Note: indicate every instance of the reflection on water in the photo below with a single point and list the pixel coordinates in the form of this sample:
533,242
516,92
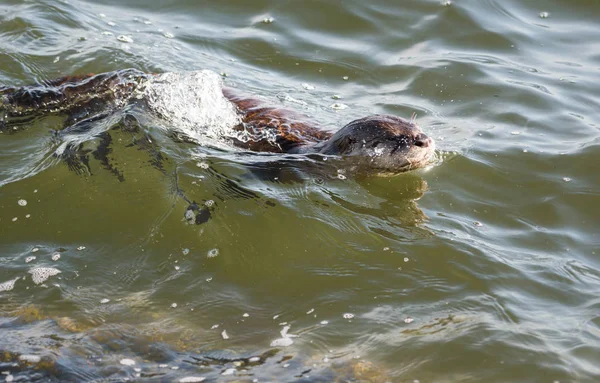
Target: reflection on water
157,259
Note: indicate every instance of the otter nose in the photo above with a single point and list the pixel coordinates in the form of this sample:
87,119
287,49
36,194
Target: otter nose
422,141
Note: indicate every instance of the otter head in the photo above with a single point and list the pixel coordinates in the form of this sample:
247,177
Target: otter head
386,143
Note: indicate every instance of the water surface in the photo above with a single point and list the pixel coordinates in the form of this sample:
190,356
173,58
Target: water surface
483,267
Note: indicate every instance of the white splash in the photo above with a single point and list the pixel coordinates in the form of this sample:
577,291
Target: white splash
193,102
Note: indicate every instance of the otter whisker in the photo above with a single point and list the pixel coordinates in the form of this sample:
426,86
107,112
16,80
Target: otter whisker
413,118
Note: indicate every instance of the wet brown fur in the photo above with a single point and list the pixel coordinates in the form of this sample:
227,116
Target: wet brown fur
290,128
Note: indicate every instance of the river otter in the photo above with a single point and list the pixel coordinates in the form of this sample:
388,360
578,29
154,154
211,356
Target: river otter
383,143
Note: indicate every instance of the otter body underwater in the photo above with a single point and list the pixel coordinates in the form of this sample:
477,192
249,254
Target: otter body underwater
381,143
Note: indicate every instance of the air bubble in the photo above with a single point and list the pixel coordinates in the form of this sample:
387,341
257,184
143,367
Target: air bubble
125,39
22,202
338,106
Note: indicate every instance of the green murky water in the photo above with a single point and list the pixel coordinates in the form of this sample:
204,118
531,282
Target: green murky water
484,267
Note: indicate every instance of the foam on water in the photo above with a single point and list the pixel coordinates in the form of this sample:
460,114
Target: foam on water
224,335
285,340
193,103
30,358
41,274
127,362
8,285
